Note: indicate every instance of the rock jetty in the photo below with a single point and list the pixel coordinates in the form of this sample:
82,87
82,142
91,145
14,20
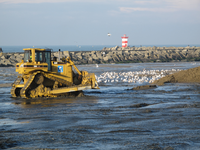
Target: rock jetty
118,55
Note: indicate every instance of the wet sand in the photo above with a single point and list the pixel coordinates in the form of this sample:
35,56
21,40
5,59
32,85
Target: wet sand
5,85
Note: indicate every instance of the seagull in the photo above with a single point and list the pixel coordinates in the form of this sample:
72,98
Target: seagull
109,34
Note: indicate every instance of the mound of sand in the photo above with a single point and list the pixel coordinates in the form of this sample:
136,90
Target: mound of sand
185,76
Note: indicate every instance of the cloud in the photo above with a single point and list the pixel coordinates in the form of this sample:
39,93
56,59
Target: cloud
51,1
146,2
36,1
131,9
184,4
162,6
133,5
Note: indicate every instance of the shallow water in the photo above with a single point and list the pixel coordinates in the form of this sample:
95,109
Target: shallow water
167,117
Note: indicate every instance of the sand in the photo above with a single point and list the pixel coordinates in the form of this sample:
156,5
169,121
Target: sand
185,76
5,85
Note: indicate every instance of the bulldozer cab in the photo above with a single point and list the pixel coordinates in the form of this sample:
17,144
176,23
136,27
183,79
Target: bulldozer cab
38,55
27,56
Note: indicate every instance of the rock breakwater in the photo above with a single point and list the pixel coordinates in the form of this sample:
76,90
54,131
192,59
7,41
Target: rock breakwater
118,55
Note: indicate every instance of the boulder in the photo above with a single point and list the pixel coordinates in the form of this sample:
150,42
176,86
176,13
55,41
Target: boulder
12,57
66,53
105,58
84,61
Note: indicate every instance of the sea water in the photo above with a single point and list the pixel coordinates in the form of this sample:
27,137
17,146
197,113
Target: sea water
8,49
166,117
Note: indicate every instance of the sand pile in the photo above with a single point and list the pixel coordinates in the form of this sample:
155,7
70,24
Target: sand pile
185,76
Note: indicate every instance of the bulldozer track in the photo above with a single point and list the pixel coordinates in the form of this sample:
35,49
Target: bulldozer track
23,91
28,83
16,82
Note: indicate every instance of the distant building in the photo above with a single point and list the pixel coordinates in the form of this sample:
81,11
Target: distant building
124,41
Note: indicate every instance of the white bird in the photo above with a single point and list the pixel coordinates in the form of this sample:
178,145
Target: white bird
143,76
109,34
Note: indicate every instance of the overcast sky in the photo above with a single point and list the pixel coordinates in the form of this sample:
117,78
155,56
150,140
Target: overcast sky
87,22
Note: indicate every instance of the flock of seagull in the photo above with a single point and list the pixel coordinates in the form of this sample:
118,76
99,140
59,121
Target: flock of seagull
145,76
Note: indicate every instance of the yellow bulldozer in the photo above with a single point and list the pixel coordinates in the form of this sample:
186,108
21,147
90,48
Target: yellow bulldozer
40,75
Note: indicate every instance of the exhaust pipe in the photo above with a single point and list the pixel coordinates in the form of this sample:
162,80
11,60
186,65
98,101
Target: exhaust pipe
59,55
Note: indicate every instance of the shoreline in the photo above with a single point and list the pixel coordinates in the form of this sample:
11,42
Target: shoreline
117,55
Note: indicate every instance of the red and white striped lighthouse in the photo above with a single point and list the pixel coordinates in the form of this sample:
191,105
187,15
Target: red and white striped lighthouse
124,41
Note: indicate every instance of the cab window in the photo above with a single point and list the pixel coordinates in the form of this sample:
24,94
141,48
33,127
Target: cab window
27,55
40,56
